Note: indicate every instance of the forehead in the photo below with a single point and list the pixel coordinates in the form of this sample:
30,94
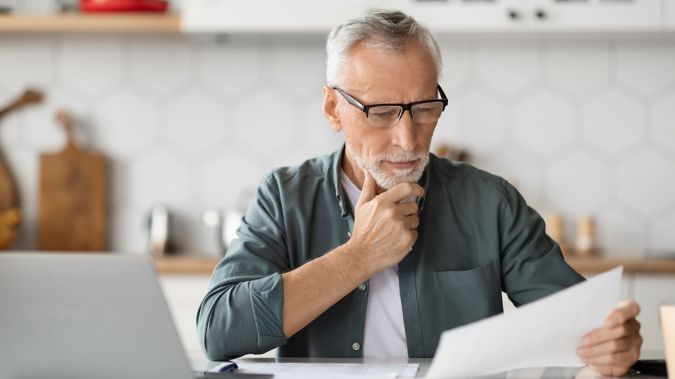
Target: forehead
379,71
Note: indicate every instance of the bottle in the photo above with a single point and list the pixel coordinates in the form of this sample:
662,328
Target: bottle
555,230
585,241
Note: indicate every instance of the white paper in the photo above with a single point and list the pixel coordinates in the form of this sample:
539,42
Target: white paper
330,370
545,333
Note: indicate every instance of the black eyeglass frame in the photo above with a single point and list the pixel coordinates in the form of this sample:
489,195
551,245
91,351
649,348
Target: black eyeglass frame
404,107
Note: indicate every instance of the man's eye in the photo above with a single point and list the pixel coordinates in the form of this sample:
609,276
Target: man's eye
422,108
383,113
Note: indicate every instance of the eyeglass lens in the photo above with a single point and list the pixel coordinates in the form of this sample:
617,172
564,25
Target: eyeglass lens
388,115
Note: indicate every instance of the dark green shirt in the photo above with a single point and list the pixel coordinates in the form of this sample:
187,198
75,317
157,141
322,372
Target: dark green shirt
477,238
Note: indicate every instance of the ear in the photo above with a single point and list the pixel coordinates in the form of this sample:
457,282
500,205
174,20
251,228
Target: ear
330,109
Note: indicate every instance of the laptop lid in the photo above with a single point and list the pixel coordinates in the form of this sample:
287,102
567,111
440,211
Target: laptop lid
85,316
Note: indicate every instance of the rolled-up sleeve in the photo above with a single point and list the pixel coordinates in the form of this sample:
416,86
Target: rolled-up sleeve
241,313
532,263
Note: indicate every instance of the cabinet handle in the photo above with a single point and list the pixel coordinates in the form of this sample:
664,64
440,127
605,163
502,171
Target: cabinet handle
541,14
514,14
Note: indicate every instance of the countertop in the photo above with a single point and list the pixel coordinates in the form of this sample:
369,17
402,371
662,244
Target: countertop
191,265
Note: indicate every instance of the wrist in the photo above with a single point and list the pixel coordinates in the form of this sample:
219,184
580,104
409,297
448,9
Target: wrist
356,259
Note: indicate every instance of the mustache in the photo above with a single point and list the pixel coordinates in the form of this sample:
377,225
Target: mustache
401,156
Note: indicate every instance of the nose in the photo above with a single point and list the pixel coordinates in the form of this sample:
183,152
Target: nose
405,133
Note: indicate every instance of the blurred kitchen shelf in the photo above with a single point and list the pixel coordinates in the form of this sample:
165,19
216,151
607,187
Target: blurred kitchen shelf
185,265
204,266
91,23
630,266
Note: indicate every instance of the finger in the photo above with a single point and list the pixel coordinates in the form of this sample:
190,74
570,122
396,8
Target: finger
407,209
623,312
368,190
605,334
411,222
401,191
609,370
623,359
610,347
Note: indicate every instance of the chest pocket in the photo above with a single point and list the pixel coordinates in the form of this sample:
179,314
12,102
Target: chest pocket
468,296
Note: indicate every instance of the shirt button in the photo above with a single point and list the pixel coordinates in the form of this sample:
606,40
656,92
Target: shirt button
356,346
362,287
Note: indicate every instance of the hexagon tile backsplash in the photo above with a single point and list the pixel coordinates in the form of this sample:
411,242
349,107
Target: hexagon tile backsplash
579,127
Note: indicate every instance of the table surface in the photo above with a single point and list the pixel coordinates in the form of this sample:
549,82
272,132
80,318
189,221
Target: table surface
201,363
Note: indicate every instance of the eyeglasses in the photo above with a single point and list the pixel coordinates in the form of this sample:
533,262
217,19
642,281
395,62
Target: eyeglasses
387,115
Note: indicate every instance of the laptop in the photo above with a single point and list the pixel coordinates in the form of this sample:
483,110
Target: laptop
87,316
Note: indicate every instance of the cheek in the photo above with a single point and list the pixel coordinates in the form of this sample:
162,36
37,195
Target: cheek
425,135
366,140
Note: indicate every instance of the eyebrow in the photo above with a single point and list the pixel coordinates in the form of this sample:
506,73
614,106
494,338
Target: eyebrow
368,102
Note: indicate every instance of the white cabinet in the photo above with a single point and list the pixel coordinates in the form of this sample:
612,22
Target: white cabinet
650,292
310,16
183,294
670,14
596,15
466,15
442,16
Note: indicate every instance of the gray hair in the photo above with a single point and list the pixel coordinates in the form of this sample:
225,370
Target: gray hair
378,29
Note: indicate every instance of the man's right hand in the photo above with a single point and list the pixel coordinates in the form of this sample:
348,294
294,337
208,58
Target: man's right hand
385,229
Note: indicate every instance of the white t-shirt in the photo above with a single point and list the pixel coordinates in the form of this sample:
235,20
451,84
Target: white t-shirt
384,334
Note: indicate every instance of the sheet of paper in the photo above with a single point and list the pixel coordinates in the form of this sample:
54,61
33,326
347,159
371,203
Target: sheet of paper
330,370
543,333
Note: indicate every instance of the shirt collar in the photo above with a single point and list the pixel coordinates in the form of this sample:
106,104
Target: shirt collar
339,191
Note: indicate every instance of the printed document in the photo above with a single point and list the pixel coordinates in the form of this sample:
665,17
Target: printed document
545,333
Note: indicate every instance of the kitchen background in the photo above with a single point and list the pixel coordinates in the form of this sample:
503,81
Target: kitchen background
580,126
582,123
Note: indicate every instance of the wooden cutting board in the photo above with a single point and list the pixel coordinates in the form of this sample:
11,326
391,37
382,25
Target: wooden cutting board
73,197
10,213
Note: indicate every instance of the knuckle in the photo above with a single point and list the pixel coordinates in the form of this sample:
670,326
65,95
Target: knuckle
624,345
615,345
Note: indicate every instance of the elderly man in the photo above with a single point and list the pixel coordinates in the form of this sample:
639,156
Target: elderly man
378,248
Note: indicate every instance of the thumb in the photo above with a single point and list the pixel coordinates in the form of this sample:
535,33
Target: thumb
368,190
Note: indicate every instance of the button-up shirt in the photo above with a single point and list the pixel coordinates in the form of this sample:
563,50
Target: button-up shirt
477,238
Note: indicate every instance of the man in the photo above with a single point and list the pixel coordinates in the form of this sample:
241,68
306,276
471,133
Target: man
377,249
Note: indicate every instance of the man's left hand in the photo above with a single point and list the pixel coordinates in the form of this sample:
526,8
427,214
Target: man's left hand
612,349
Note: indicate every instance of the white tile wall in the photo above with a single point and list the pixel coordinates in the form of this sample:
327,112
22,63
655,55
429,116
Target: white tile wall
580,127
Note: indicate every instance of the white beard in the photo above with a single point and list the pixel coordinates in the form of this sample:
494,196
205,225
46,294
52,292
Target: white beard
384,179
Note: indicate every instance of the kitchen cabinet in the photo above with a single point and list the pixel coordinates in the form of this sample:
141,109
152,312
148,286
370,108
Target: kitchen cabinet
442,16
670,14
307,16
651,291
183,294
467,15
596,15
